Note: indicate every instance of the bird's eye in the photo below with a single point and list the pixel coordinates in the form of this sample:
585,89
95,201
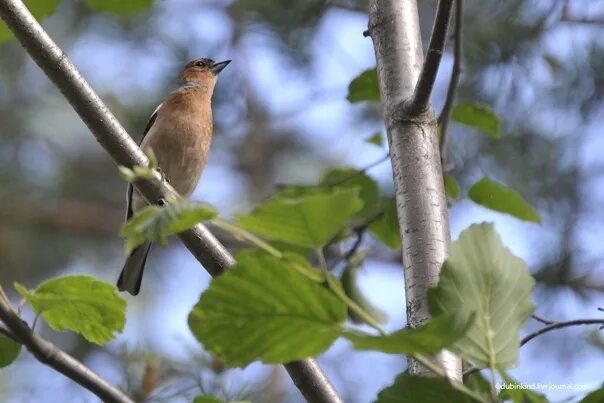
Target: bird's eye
200,63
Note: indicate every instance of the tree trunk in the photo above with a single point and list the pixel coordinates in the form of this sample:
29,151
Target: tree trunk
418,180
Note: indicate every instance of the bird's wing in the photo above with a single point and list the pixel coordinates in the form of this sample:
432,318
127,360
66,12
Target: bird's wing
129,210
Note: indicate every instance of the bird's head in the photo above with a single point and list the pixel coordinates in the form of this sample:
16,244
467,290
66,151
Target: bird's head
202,71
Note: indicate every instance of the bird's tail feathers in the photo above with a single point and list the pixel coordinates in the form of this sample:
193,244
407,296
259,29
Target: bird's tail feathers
132,273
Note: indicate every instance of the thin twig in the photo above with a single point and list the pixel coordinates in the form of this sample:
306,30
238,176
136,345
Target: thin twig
215,258
423,89
559,325
542,320
51,355
445,114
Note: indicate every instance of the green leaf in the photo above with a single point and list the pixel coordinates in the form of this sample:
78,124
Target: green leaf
478,116
38,8
350,284
597,396
495,196
9,351
385,229
419,389
264,309
119,6
519,394
482,277
451,187
376,139
154,223
310,220
206,399
439,333
477,383
364,87
82,304
350,178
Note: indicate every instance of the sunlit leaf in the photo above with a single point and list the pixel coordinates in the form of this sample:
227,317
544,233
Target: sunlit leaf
495,196
38,8
478,116
364,87
482,277
263,309
308,220
82,304
350,178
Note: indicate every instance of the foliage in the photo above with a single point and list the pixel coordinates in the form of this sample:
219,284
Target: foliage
81,304
477,116
495,196
9,351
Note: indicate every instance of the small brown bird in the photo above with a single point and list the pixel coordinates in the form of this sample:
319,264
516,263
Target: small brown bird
179,132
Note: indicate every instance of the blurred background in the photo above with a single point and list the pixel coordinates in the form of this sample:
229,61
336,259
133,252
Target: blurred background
281,116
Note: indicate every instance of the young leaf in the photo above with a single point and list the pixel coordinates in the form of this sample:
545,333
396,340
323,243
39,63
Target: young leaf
264,309
386,229
439,333
119,6
82,304
9,351
376,139
38,8
494,196
482,277
153,223
478,116
419,389
364,87
451,187
310,220
350,178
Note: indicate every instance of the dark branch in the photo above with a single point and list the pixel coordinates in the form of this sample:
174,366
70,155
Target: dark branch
54,357
445,114
560,325
421,95
307,375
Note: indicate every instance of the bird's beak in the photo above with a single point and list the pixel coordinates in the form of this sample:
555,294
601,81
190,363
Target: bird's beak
218,67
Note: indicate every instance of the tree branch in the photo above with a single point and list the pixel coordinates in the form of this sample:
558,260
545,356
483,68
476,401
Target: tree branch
51,355
560,325
307,375
423,89
445,114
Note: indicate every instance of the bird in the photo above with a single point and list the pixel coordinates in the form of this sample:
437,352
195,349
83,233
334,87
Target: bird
179,133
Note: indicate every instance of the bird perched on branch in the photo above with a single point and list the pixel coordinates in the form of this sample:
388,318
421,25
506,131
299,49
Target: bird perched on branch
179,132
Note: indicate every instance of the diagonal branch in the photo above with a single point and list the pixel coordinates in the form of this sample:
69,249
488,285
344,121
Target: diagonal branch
445,114
51,355
307,375
423,89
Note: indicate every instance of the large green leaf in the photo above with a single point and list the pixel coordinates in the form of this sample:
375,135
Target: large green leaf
478,116
38,8
9,351
386,229
263,309
482,277
82,304
368,188
495,196
119,6
515,393
419,389
364,87
310,219
429,339
154,223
